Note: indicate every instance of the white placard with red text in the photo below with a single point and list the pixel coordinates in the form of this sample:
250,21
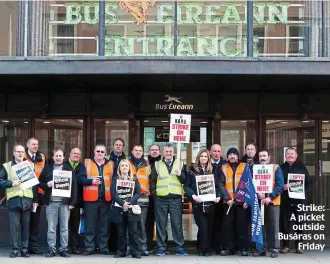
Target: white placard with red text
180,128
263,177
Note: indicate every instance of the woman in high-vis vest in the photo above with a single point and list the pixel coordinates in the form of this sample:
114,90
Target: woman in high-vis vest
203,211
19,204
58,207
122,213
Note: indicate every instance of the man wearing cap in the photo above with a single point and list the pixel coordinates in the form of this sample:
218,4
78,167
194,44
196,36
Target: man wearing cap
236,222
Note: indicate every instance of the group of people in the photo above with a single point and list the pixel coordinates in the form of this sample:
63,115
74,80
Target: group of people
120,222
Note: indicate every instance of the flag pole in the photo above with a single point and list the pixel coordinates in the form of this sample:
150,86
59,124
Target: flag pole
262,213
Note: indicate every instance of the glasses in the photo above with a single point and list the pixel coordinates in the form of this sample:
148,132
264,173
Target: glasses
100,151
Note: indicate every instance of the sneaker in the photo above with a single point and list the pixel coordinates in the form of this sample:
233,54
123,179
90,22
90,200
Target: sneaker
50,254
161,252
13,254
181,252
64,254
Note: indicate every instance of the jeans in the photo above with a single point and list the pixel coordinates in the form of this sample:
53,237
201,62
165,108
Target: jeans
163,207
57,212
19,221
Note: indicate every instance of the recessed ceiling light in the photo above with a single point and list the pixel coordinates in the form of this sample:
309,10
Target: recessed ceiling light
305,121
284,122
107,122
26,122
243,121
125,122
225,121
46,122
325,121
267,122
203,122
164,121
80,121
5,121
146,121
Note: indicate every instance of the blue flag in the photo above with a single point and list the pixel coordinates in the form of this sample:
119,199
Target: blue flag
246,192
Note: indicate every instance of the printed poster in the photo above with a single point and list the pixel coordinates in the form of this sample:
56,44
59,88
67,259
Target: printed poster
263,177
206,187
62,181
297,186
125,190
25,174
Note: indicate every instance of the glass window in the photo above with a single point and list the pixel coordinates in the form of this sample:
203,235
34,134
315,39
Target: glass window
64,28
325,166
8,26
288,28
212,28
59,133
12,131
236,134
106,131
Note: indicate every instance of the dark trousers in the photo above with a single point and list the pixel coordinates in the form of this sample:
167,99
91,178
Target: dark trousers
286,212
217,238
96,218
74,237
173,207
34,227
113,239
133,236
235,224
19,222
150,223
272,225
204,222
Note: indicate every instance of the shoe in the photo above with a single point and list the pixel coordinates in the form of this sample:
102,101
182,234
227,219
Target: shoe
34,251
13,254
145,253
119,255
64,254
285,250
244,253
107,252
207,254
273,254
161,252
200,254
259,253
226,252
76,252
50,254
25,254
181,252
138,256
299,251
87,253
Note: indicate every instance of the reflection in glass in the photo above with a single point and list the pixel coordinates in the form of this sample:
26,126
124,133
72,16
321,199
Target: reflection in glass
8,26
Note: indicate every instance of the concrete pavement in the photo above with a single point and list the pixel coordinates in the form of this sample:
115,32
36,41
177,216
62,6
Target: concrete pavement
290,258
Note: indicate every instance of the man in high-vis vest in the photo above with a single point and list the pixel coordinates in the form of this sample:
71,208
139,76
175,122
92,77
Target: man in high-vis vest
97,198
272,203
19,204
236,222
167,189
38,163
141,169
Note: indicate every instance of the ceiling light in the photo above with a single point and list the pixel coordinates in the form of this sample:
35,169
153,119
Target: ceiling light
305,121
80,121
26,122
325,121
224,121
146,121
284,122
107,122
5,121
267,122
46,122
164,121
203,122
125,122
243,121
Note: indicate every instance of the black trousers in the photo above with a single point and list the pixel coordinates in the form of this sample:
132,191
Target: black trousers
74,238
286,212
113,239
204,222
133,236
96,219
236,224
19,221
150,224
34,227
217,238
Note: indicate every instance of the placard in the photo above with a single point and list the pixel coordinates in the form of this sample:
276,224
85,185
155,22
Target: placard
62,183
180,128
206,187
125,190
263,177
297,186
25,174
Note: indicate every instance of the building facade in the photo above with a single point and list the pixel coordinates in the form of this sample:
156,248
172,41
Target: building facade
74,74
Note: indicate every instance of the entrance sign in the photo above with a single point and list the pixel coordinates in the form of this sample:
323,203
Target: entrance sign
297,186
62,183
206,187
25,174
263,177
180,128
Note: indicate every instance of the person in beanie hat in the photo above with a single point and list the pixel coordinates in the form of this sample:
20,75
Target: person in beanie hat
236,222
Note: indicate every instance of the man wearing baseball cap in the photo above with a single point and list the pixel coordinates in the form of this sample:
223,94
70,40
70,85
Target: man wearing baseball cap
236,218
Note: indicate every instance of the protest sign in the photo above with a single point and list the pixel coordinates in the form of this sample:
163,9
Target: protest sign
25,174
62,182
180,128
263,177
206,187
125,190
297,186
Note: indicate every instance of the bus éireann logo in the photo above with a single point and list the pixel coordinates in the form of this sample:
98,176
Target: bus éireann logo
172,99
138,9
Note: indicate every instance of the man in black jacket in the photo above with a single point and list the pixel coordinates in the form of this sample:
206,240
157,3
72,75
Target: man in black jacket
78,169
289,206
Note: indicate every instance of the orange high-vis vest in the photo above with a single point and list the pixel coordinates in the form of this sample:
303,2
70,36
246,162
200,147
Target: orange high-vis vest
37,167
276,200
91,192
228,172
143,176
